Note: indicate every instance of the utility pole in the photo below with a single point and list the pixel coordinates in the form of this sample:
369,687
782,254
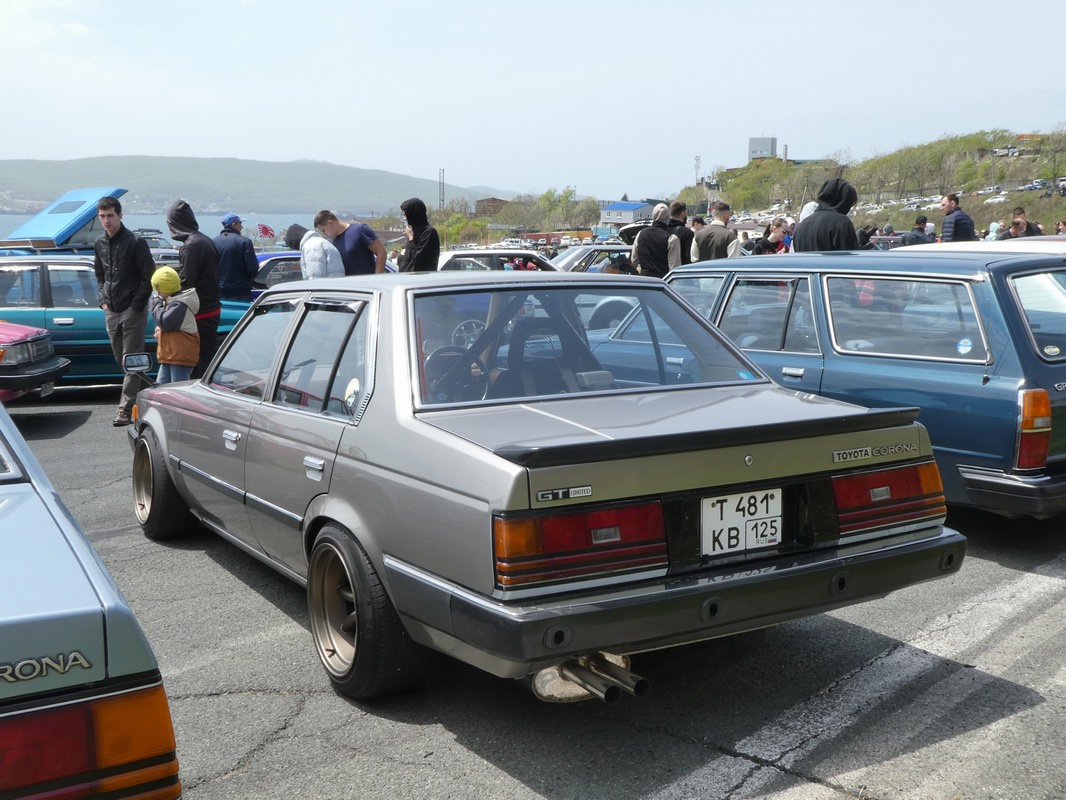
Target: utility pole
697,170
440,191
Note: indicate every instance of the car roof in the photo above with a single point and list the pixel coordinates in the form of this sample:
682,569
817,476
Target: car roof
1027,244
489,279
59,223
909,259
38,258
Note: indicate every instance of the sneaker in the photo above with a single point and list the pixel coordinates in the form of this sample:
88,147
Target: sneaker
121,418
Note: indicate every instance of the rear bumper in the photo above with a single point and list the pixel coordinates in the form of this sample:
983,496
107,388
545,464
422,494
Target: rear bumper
1039,496
513,640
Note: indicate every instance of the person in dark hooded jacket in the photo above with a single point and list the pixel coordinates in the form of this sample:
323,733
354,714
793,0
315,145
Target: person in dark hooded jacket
198,269
423,244
829,228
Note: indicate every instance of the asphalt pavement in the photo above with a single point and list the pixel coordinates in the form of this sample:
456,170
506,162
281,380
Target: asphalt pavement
954,689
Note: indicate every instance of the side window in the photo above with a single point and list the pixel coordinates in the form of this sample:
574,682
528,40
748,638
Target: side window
245,368
20,286
893,316
312,358
72,287
700,292
350,384
800,334
756,312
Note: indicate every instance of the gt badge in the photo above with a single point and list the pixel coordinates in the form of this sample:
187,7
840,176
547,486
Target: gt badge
547,495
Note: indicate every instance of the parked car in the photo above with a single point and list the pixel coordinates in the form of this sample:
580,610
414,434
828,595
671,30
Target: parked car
996,198
493,259
593,258
282,266
976,339
445,464
83,712
276,266
28,362
58,293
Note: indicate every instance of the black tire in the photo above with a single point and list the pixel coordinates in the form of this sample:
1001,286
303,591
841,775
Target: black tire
159,508
359,637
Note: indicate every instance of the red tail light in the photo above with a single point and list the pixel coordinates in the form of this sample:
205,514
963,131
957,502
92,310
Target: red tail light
1034,428
541,550
889,497
117,746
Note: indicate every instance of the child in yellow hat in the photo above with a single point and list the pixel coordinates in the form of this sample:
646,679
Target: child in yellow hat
174,311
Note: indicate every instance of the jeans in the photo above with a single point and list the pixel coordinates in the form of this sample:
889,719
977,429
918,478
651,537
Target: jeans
126,331
169,373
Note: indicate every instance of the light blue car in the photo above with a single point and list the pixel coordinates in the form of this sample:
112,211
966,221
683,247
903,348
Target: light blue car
82,705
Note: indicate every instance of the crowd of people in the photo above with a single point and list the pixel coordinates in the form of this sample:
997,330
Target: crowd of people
824,224
186,302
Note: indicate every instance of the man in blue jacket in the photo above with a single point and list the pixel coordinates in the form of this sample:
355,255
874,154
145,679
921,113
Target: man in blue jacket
237,264
957,225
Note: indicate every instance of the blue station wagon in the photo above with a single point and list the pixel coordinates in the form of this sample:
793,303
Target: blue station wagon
975,340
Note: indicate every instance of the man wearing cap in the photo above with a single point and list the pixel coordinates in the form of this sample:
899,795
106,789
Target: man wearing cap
237,264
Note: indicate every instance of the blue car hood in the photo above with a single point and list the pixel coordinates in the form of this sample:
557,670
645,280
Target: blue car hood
68,221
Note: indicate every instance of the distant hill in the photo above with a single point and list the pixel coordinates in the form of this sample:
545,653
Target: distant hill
222,184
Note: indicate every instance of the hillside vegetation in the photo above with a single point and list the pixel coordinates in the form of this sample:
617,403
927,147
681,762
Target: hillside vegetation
219,184
963,164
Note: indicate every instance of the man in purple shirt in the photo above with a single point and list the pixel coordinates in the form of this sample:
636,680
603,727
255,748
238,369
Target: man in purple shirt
361,250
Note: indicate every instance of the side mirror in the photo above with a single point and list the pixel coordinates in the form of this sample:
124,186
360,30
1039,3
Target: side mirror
136,362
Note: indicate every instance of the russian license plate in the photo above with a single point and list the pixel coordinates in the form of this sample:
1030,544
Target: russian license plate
47,388
738,522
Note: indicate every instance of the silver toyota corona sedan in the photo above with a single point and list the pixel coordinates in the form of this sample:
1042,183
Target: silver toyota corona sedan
463,463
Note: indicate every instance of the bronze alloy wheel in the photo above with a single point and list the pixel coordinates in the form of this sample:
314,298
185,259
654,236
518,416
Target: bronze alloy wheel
358,635
142,481
160,510
331,601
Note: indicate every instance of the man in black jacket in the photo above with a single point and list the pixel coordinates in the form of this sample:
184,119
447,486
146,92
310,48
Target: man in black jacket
678,227
237,264
423,244
828,227
917,234
198,268
123,265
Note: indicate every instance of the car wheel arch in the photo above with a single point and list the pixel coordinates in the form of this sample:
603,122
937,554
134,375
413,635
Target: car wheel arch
325,510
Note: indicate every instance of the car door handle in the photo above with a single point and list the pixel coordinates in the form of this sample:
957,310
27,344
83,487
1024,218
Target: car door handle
314,463
231,438
793,372
63,320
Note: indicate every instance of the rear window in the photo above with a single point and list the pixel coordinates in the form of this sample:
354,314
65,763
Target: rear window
510,344
921,319
1042,296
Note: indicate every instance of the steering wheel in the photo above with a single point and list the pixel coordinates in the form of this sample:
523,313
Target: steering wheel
453,373
466,332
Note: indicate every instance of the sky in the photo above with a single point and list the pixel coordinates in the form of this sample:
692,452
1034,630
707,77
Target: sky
607,98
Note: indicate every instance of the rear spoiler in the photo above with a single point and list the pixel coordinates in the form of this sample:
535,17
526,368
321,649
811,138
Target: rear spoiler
536,455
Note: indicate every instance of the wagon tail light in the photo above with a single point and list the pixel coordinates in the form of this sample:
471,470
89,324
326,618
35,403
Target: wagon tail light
883,498
1034,428
538,550
116,746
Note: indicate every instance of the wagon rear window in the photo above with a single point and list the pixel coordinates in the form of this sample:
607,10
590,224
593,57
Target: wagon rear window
1042,296
933,319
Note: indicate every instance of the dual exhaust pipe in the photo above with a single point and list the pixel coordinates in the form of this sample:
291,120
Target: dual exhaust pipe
597,675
